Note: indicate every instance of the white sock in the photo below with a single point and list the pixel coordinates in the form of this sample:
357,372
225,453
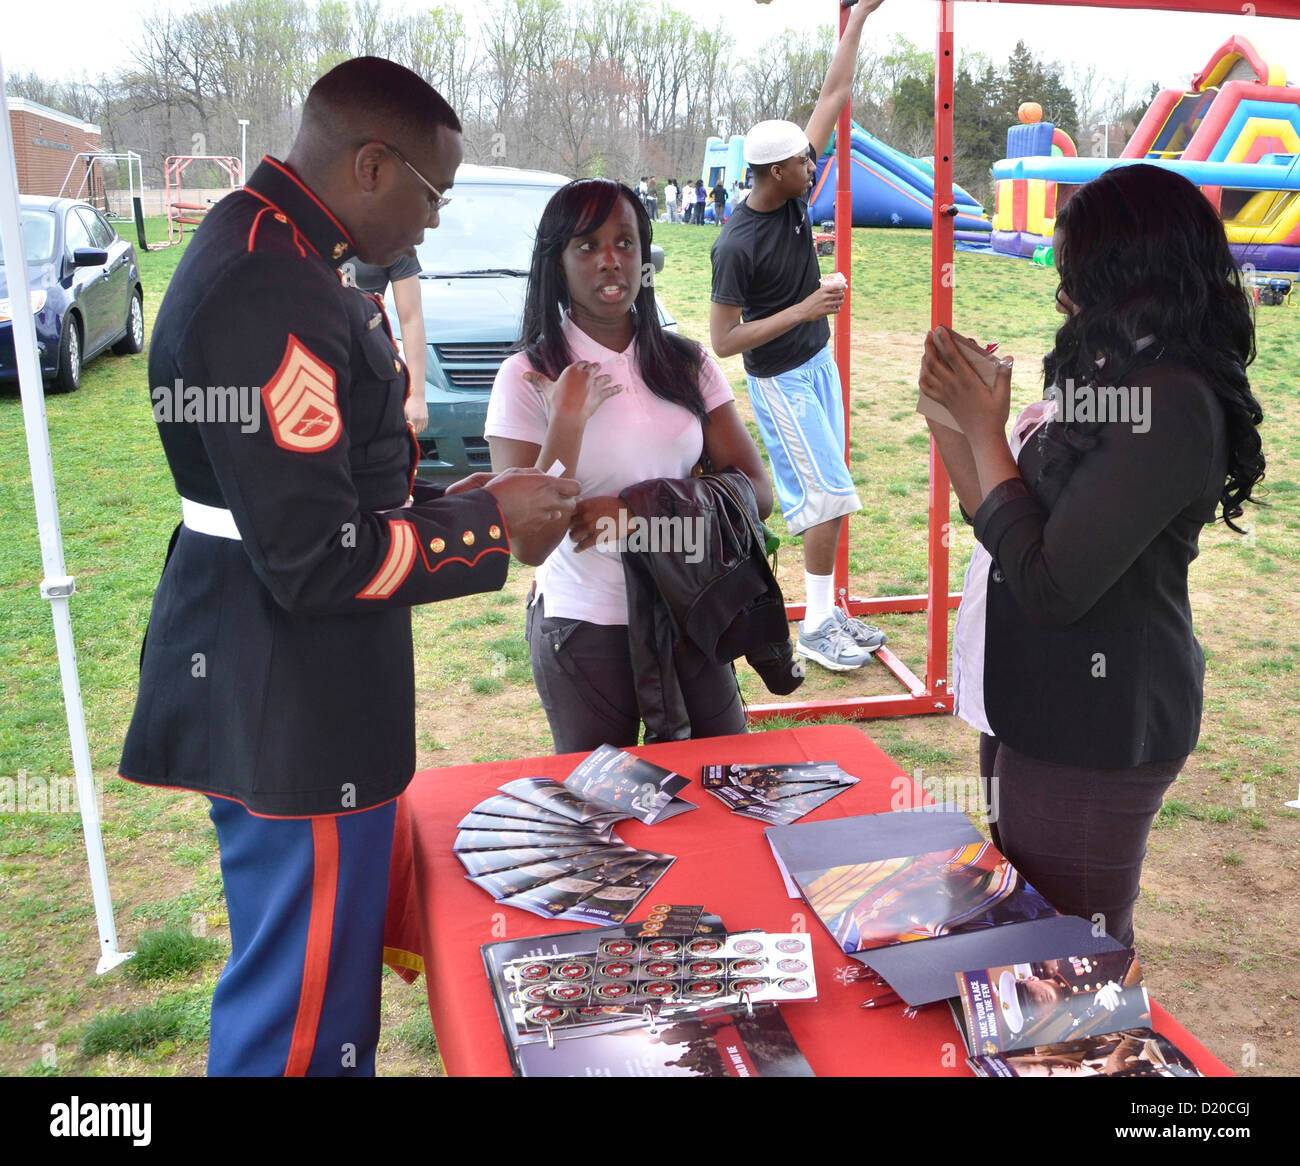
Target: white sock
820,601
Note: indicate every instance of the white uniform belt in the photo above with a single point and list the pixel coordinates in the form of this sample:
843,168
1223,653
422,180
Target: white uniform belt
209,519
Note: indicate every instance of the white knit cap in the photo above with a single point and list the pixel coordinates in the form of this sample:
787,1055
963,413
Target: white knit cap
774,141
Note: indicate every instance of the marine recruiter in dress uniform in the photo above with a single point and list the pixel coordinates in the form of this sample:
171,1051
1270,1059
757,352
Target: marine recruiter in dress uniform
277,672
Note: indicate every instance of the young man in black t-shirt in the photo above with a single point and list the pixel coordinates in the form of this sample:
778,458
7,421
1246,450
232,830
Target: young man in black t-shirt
770,303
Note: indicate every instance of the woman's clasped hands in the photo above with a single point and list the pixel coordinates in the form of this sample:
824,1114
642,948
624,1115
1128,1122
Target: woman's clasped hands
948,379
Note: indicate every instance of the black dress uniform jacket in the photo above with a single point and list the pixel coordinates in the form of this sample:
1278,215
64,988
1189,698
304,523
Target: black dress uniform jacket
277,667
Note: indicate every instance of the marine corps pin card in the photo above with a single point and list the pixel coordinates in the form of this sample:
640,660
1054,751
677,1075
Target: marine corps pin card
616,975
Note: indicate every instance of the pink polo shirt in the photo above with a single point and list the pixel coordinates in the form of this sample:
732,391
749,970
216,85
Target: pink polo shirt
632,437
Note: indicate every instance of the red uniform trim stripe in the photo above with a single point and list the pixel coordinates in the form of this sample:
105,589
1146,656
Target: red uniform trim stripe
289,174
320,934
474,562
252,231
396,565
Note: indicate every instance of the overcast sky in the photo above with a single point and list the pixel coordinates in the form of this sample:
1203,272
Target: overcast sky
92,36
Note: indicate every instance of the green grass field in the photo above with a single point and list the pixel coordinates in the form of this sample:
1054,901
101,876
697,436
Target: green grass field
1216,925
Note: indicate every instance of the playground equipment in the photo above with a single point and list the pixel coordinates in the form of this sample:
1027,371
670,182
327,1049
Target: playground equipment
96,192
181,214
1235,133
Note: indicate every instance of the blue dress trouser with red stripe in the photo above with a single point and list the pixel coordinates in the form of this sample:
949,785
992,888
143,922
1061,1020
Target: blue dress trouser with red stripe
299,995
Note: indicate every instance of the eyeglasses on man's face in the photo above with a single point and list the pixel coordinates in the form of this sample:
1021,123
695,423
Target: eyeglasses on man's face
440,200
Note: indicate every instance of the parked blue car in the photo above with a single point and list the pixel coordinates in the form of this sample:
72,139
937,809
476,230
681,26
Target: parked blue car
85,286
475,273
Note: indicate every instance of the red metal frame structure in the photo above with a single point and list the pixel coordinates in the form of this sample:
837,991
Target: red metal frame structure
180,213
932,694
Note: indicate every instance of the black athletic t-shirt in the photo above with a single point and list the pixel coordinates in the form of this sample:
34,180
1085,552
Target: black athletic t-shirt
763,263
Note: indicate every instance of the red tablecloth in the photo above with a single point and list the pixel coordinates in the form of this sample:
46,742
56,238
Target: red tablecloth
437,919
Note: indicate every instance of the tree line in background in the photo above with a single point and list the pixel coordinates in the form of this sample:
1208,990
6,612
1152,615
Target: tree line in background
611,88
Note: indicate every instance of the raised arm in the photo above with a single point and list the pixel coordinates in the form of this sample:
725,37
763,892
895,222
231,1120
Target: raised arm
838,85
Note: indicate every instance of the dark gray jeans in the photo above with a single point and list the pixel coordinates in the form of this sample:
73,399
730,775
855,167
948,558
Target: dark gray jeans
1078,835
583,673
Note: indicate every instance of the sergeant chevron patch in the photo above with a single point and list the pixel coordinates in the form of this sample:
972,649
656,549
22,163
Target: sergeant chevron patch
301,402
397,563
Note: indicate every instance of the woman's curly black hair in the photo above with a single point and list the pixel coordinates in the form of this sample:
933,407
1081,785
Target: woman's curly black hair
1140,252
669,364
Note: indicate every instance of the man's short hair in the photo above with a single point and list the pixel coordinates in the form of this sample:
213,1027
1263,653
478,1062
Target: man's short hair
374,99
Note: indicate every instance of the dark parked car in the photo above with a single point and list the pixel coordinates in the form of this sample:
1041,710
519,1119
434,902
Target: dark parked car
85,290
475,271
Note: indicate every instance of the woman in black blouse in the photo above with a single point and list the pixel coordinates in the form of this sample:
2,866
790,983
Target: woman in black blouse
1089,690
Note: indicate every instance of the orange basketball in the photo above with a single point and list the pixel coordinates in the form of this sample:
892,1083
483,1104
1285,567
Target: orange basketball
1030,112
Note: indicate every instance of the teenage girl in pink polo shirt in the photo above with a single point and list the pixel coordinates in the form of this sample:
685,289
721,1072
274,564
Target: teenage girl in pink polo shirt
603,389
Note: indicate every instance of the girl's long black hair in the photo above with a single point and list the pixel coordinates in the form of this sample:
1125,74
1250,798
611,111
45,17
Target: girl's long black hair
1140,252
669,364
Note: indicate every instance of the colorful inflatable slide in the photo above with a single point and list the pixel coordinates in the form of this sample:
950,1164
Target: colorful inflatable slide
890,189
1235,133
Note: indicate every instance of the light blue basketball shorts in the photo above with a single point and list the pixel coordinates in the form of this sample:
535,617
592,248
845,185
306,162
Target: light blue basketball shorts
800,415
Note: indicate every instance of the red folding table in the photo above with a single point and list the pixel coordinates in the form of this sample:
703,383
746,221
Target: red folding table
437,919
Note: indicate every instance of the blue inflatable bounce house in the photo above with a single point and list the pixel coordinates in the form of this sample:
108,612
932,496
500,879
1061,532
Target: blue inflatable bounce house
890,189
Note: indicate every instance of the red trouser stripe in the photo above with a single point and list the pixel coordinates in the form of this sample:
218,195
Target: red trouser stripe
320,932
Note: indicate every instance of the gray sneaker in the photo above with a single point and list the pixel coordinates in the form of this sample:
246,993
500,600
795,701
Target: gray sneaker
832,647
865,635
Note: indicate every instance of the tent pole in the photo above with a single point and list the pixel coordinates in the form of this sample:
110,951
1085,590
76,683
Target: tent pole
56,586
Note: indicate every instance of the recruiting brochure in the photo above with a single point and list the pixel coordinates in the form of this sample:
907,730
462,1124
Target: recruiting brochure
1134,1052
776,794
616,780
549,847
715,1042
1014,1006
918,896
901,900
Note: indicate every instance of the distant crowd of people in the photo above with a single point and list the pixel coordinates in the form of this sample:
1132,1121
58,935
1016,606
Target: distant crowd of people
687,202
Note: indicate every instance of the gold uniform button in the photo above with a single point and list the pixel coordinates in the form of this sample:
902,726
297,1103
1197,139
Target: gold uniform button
339,248
437,546
397,366
468,538
494,531
281,219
